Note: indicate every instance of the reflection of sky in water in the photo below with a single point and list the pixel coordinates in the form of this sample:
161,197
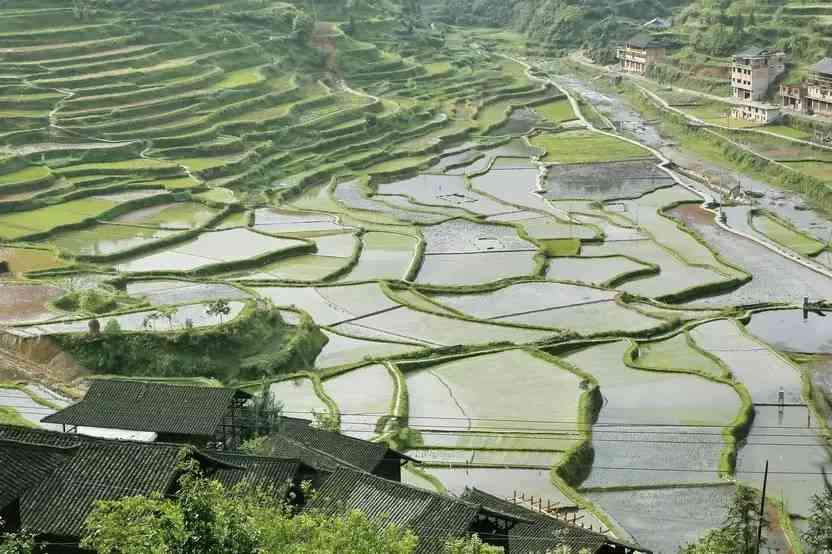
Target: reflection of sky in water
794,451
787,330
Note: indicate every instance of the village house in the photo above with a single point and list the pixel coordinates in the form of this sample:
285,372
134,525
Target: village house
435,518
152,411
344,451
819,88
757,112
640,52
754,70
217,418
536,532
794,97
49,481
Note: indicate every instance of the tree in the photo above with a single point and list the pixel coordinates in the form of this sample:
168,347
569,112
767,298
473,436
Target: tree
136,525
167,312
326,421
302,28
819,534
738,534
112,327
16,543
470,545
206,518
219,309
149,321
267,412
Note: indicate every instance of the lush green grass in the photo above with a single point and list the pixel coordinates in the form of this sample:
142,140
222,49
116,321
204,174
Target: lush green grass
555,248
586,147
787,131
241,78
788,236
26,175
557,111
137,164
17,224
821,170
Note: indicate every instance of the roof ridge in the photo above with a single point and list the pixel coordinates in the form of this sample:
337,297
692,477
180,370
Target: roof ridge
432,494
256,456
342,464
27,444
158,384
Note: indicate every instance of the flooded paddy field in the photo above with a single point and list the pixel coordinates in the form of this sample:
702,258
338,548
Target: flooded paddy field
438,252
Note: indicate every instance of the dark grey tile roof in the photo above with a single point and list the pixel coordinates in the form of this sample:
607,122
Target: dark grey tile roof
434,518
824,66
154,407
24,465
274,473
59,476
101,470
283,447
644,40
41,436
359,453
537,533
753,52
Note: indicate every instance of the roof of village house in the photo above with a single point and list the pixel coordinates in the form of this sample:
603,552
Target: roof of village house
61,475
359,453
755,52
284,447
434,518
25,465
154,407
644,40
100,470
41,436
540,533
823,66
259,471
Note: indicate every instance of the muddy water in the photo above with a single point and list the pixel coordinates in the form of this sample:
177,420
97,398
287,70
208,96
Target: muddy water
787,204
21,303
776,279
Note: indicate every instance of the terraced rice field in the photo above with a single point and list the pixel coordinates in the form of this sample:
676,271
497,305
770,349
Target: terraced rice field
443,239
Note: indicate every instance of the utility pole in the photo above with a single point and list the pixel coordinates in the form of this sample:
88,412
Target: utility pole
762,510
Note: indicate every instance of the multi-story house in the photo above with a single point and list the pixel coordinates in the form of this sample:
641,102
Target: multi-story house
819,88
754,70
640,52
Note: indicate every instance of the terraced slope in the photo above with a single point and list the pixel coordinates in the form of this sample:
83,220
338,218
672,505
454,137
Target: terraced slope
405,231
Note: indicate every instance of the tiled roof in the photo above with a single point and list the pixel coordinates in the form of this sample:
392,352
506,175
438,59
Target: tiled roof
356,452
283,447
537,533
41,436
102,470
644,40
24,465
824,66
159,408
434,518
256,470
59,476
754,52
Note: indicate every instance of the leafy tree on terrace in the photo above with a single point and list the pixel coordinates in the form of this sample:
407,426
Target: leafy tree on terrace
819,534
206,518
303,26
738,534
219,308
